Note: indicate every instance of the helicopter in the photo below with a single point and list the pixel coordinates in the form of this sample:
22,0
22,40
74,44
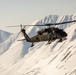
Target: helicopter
49,34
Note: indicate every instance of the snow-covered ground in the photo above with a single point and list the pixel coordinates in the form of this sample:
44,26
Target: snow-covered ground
4,36
18,58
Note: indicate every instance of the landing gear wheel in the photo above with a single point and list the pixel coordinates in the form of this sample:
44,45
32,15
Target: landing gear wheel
32,45
60,40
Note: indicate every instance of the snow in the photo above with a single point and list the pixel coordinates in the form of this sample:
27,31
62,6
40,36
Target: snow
4,36
18,58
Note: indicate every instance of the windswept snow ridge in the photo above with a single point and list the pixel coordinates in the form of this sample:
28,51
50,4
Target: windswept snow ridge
18,58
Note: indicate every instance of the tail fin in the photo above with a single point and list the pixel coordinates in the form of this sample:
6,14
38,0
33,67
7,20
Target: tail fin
25,35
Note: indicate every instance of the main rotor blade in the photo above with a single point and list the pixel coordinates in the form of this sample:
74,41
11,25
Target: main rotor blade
60,23
25,25
15,26
48,24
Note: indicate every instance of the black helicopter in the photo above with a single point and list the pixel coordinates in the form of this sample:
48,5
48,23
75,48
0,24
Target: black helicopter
49,34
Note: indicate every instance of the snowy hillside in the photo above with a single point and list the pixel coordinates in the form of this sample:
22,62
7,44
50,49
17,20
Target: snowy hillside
4,36
6,44
18,58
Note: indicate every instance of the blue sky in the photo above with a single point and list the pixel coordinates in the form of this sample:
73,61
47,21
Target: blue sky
14,12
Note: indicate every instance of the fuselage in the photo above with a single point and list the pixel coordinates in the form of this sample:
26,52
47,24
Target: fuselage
44,35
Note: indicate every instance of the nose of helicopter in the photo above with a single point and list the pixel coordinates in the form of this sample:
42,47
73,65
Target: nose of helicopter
64,34
61,34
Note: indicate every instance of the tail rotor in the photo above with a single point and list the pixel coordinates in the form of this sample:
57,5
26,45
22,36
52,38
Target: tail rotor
23,29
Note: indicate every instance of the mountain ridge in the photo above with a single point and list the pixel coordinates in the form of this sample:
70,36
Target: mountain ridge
4,35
